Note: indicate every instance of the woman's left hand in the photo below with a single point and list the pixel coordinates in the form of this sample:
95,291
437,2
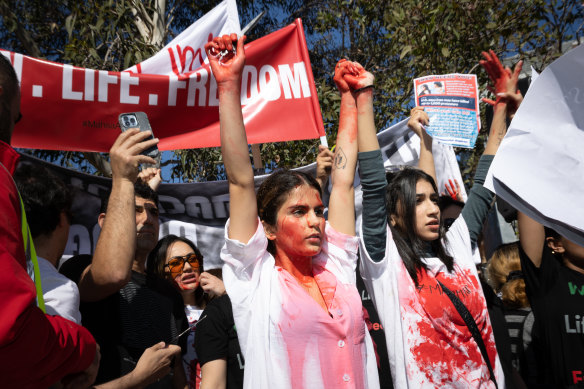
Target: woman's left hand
211,284
357,77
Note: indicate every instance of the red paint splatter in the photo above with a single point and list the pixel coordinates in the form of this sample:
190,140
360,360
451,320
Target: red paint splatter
440,342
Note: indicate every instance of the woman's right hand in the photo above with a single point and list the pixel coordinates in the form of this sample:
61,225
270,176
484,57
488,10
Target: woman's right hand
418,119
226,69
343,67
212,285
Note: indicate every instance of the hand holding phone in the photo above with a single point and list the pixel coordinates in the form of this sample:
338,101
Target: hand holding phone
128,153
140,121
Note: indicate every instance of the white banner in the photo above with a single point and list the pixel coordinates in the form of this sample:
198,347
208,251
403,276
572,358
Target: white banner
539,168
401,147
186,52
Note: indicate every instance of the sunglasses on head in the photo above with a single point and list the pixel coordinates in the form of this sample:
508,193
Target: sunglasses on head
176,264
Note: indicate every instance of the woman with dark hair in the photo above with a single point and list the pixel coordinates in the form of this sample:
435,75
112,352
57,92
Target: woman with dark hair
553,269
290,274
417,274
179,262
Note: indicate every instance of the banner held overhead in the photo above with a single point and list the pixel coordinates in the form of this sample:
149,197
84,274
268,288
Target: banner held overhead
76,109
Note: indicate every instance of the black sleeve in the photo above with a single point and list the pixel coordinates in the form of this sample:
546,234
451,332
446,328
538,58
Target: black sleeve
374,218
211,336
74,267
539,280
479,200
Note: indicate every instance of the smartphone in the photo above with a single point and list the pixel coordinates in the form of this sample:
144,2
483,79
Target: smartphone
139,120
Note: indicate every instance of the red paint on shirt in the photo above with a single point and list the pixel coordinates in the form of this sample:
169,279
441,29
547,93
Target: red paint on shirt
308,331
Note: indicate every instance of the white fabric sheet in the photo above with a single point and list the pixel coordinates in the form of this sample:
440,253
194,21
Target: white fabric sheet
539,168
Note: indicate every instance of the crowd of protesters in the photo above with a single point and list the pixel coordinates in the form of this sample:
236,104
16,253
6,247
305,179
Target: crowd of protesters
285,311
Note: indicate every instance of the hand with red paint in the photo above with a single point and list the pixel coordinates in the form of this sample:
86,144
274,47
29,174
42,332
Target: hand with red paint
504,82
418,119
453,189
513,101
358,78
343,67
226,68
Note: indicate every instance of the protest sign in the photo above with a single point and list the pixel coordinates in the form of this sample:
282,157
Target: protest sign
186,52
69,108
539,166
452,102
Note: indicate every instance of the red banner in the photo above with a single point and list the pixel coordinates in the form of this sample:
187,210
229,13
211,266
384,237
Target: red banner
69,108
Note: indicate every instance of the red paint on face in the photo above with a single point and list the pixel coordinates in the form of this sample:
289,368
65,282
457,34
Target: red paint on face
300,223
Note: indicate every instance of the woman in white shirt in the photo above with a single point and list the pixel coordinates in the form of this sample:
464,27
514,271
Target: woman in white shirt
408,260
289,273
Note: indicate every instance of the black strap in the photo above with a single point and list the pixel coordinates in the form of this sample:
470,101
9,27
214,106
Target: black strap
472,326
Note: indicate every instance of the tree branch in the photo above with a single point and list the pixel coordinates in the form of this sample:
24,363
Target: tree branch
22,34
99,162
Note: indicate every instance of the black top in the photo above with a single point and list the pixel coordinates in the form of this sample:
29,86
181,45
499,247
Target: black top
144,312
217,339
556,294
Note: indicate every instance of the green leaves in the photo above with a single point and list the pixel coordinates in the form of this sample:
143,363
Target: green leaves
405,51
397,41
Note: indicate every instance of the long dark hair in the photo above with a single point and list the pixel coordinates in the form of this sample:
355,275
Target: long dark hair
157,259
400,201
273,191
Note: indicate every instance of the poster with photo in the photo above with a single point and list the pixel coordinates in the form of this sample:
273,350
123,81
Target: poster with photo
452,102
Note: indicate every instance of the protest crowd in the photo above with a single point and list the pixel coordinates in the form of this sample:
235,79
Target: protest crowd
284,310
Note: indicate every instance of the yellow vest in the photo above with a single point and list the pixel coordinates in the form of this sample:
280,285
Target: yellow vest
32,264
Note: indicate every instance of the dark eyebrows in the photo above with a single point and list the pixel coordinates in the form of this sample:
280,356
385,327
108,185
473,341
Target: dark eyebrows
433,196
298,206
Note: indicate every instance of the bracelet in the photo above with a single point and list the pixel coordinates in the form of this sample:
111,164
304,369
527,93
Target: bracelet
362,89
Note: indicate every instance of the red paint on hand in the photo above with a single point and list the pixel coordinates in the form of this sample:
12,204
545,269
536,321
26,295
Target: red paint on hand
503,79
226,68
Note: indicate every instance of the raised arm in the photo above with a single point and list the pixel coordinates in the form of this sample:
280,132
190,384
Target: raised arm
419,119
111,266
370,166
479,200
234,147
342,200
531,237
505,84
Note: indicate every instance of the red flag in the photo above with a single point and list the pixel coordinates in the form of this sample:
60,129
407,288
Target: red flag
69,108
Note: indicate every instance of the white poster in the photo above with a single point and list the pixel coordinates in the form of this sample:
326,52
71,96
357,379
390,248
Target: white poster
539,168
186,52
